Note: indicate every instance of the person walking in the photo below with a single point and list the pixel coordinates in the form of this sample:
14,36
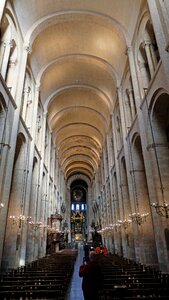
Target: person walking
92,277
86,252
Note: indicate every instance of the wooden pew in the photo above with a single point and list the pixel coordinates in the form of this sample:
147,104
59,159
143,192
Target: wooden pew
46,278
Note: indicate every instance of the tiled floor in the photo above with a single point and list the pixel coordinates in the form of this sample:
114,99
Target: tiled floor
75,289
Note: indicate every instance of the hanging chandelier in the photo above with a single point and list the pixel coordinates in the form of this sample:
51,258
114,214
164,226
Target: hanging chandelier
36,225
161,209
138,218
125,223
18,220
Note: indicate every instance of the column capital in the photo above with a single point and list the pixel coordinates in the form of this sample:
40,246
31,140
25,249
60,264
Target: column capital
129,49
147,43
112,115
129,91
27,47
127,102
37,88
119,89
12,62
141,65
27,90
8,43
45,113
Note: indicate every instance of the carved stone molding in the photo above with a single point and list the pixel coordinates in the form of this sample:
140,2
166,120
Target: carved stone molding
78,176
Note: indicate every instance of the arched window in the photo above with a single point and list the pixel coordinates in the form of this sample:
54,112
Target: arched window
148,54
9,52
151,39
6,44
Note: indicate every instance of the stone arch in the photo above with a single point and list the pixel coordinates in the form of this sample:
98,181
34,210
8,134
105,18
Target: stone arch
78,176
150,36
16,207
140,182
158,139
89,196
146,51
9,51
145,230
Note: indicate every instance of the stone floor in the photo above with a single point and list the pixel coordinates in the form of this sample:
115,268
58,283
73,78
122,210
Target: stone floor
75,289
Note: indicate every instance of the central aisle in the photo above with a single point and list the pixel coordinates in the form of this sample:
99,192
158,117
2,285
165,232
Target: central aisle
75,289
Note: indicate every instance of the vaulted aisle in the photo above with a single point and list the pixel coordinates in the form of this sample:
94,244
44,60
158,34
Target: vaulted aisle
84,129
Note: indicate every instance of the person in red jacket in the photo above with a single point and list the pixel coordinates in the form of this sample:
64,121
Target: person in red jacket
97,250
105,251
92,278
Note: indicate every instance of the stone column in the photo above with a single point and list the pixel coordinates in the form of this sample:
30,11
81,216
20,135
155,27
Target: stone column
40,203
132,105
105,177
162,36
68,212
127,112
125,144
13,137
2,6
163,10
147,45
116,198
26,93
7,48
147,169
144,78
110,178
153,56
14,226
27,242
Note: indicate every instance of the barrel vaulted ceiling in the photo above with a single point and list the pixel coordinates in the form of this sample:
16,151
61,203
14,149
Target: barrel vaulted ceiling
78,58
